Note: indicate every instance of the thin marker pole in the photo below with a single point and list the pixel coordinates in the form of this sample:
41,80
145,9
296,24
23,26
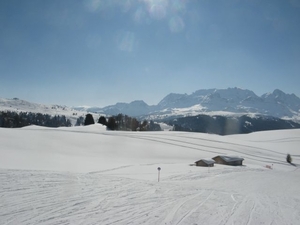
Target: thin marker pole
158,173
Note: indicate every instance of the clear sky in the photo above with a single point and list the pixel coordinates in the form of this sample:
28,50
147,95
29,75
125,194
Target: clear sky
100,52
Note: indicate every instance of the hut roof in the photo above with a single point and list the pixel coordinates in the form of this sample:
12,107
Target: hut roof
207,161
230,158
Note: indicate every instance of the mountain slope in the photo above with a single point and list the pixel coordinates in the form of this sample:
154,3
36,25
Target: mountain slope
214,102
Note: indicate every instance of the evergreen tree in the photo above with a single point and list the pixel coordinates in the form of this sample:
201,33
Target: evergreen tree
144,125
102,120
134,124
111,124
89,119
79,121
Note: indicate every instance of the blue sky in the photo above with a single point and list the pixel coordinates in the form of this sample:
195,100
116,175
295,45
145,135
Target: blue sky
100,52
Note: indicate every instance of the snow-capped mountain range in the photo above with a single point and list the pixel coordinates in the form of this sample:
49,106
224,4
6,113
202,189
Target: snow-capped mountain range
231,101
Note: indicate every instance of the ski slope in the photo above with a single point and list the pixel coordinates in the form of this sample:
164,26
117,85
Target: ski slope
88,175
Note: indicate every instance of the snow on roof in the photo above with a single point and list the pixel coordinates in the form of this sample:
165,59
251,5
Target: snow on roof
207,161
230,158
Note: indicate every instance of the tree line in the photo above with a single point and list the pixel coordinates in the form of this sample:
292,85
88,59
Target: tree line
11,119
124,123
223,125
21,119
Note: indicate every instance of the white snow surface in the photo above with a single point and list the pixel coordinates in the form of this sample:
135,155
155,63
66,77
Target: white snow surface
88,175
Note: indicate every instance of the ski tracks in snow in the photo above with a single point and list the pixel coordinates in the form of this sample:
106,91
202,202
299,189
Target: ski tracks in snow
194,209
46,198
179,205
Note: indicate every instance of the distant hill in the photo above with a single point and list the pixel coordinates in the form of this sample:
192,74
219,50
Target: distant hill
231,101
19,105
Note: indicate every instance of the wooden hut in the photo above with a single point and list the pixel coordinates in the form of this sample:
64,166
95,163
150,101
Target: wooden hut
229,160
205,162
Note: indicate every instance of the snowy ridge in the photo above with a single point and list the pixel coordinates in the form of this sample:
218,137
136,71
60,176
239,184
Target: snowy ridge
231,101
18,105
88,175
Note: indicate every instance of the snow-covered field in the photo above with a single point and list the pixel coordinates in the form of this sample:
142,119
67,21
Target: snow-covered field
87,175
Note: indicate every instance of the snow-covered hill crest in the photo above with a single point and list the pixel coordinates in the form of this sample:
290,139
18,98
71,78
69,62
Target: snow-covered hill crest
18,105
